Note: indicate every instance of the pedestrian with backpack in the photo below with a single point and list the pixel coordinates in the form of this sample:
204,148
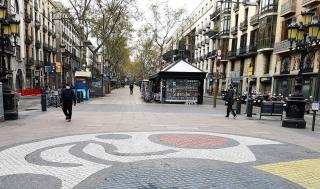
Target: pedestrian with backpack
68,99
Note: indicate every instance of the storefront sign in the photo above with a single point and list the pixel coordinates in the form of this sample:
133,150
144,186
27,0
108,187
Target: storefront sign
265,79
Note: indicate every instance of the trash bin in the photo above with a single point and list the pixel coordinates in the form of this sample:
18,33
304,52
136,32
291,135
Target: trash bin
238,109
249,107
44,101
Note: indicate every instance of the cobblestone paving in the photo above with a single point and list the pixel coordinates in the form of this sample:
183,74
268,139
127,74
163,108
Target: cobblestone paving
155,160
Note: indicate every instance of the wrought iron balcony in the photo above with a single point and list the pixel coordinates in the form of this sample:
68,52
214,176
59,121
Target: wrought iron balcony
244,25
49,32
266,44
288,8
209,33
215,14
236,7
207,41
252,48
307,3
45,28
282,46
30,62
254,20
38,44
234,30
226,10
28,18
37,24
270,8
28,40
242,50
232,53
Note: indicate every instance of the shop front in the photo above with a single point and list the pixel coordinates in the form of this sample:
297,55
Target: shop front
179,82
265,85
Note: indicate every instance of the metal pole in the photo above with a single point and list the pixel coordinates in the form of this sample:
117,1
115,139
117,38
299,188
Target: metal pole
316,96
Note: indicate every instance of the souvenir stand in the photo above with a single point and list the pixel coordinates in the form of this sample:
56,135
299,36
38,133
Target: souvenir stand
180,82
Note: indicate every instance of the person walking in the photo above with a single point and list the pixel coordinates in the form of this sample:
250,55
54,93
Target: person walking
230,102
68,98
131,88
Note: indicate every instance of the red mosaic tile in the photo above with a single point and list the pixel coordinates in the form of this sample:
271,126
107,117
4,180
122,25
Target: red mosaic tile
193,141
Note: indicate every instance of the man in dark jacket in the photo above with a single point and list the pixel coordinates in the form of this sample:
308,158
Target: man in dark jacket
68,97
230,102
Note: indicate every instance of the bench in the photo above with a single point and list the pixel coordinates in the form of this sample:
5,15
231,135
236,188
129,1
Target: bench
271,109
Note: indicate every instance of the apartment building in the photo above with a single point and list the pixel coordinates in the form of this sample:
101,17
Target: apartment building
287,63
71,60
253,31
191,42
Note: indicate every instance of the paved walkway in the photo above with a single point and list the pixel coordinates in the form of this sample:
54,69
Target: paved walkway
121,142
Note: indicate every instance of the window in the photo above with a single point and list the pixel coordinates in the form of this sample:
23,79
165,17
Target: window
232,66
284,29
241,67
268,6
234,44
243,41
253,37
267,64
237,20
226,23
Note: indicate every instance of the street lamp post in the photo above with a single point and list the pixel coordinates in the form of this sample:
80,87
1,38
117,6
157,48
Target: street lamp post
306,37
9,27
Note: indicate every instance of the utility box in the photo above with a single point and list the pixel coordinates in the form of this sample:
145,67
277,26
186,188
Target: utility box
1,104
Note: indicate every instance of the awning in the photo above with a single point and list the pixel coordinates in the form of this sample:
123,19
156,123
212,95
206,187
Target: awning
82,74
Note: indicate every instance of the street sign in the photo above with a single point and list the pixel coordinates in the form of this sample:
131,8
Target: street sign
315,106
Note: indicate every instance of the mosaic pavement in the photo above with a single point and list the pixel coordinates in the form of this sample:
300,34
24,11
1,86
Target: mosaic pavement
153,160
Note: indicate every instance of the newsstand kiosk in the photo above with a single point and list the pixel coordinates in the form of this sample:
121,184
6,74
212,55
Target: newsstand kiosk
83,80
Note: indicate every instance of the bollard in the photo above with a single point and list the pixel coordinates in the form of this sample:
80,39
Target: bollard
44,102
249,107
238,109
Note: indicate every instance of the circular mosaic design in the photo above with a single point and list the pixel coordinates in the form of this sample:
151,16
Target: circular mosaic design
151,160
193,141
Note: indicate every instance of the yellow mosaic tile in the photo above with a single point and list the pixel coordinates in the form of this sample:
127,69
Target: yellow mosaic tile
303,172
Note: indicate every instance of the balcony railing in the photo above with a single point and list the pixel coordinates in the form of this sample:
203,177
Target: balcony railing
236,7
242,50
209,33
266,44
215,14
310,2
234,30
45,28
288,8
37,24
282,46
28,18
232,53
28,39
244,25
225,32
271,8
252,48
35,5
49,32
38,44
207,41
30,61
254,20
226,10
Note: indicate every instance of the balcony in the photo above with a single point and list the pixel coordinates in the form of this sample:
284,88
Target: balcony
209,33
242,50
234,30
35,5
307,3
252,48
54,50
203,43
45,28
38,44
30,62
232,54
273,8
236,7
266,44
45,46
207,41
215,14
28,18
225,33
212,54
226,10
28,40
54,35
282,46
254,20
208,25
37,24
288,8
49,32
244,25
